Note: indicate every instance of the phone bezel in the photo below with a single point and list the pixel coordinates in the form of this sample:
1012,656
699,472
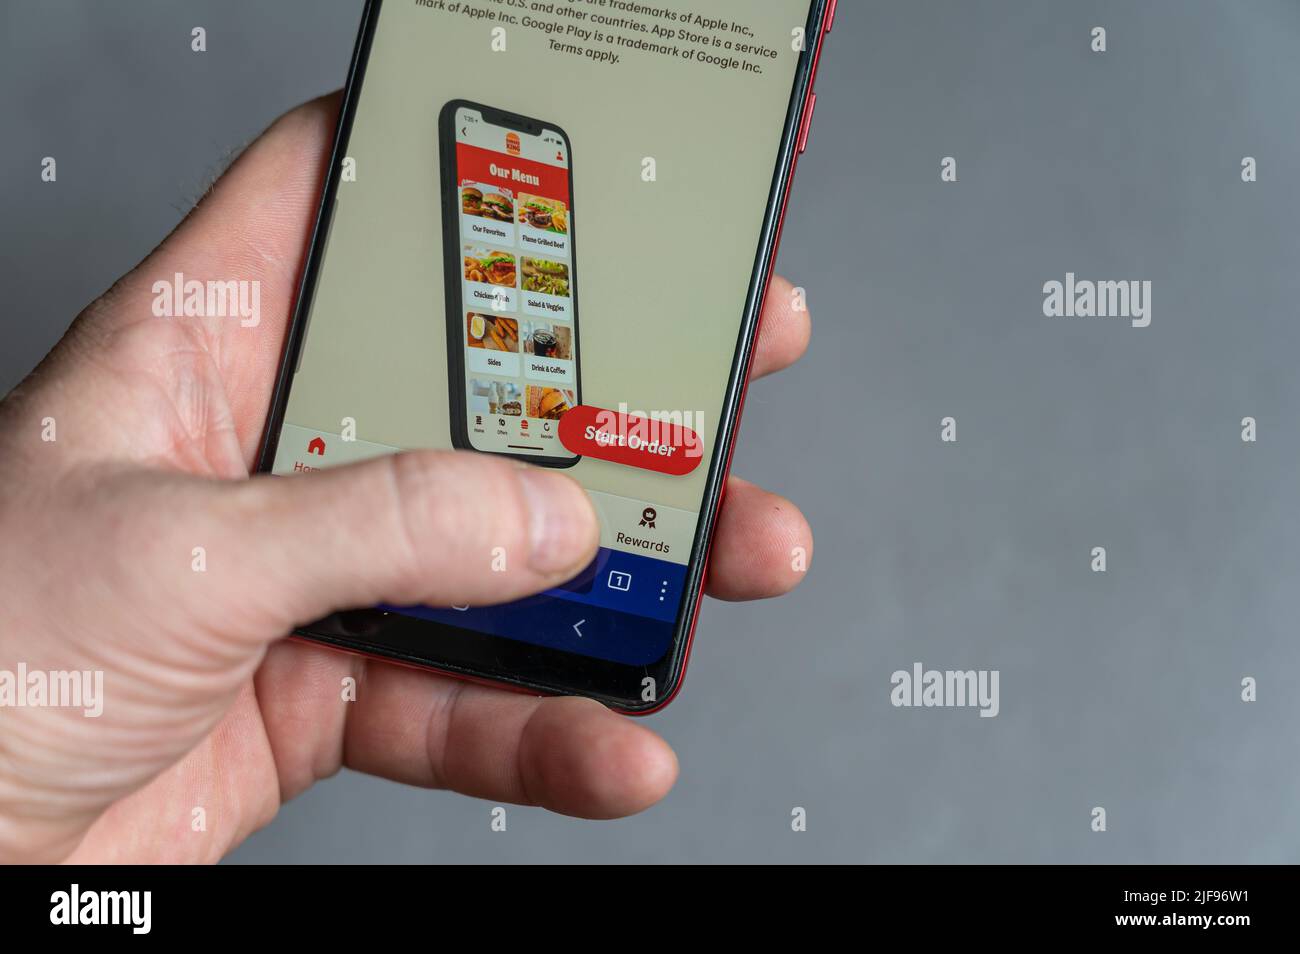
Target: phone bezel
453,242
496,659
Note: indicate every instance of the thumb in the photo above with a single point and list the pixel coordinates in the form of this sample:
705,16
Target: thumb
177,576
440,528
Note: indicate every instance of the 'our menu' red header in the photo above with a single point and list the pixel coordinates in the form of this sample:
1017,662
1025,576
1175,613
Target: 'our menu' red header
512,172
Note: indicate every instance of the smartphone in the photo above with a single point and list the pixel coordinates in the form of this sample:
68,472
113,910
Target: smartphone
511,282
438,306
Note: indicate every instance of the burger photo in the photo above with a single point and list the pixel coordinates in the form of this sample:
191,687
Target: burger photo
497,206
546,215
471,201
548,404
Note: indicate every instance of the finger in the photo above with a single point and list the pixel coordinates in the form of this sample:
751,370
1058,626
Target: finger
784,329
229,566
762,546
438,528
568,755
571,756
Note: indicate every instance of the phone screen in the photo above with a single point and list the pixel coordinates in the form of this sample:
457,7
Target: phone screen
495,166
513,302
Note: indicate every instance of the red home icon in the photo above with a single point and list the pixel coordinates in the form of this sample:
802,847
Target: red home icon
316,446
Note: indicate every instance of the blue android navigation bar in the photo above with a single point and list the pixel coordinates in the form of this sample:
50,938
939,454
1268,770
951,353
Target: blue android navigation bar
621,608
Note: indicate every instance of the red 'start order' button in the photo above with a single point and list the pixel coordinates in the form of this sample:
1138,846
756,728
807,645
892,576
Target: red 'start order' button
649,443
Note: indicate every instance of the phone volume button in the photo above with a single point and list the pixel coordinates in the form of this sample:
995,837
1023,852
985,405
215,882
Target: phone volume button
807,122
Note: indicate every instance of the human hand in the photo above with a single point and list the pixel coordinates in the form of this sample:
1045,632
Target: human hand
157,424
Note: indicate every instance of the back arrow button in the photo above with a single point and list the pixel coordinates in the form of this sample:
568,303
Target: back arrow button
577,629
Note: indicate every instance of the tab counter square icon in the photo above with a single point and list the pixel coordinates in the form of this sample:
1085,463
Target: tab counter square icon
620,581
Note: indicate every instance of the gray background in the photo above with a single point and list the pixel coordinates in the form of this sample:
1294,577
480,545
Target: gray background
1119,689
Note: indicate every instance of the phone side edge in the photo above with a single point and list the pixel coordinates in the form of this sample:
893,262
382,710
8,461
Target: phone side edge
742,367
306,288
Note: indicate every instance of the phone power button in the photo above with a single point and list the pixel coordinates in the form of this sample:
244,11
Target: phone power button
807,122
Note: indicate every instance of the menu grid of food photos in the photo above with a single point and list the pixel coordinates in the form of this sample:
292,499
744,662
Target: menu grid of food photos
518,300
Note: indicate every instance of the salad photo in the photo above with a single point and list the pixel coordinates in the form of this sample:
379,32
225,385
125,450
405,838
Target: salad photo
547,277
